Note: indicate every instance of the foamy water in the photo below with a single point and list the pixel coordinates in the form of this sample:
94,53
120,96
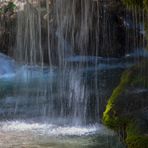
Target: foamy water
53,130
31,134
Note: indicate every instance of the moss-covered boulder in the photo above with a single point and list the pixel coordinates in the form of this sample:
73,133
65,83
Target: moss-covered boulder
136,3
127,108
143,4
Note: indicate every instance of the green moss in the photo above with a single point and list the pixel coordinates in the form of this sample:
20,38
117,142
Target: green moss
145,3
9,6
133,3
140,75
110,116
136,3
135,139
135,77
140,81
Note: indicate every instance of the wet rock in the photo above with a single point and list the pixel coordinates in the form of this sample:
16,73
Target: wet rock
127,108
7,26
103,33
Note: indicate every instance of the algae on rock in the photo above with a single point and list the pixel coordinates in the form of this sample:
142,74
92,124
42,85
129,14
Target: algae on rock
127,108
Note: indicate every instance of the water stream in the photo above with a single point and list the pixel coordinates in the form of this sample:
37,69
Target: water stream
38,110
55,90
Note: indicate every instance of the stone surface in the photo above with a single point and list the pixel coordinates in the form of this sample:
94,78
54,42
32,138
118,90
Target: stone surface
127,108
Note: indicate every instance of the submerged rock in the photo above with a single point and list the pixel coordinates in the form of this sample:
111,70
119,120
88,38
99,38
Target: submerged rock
127,108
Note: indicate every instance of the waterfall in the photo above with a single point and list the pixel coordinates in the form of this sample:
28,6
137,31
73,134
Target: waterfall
49,32
66,59
58,45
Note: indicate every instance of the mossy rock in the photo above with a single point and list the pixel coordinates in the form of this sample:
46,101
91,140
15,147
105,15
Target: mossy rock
133,3
136,3
135,137
110,117
127,104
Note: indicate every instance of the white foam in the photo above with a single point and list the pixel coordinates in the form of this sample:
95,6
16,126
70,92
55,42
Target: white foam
53,130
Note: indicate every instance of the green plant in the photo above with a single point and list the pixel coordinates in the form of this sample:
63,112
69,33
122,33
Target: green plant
8,7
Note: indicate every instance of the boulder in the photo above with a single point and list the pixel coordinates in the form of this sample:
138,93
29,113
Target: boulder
127,108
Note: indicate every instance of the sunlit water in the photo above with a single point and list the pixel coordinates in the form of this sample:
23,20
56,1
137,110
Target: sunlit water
35,134
70,98
26,120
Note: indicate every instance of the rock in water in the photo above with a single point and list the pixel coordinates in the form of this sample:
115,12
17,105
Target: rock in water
127,108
